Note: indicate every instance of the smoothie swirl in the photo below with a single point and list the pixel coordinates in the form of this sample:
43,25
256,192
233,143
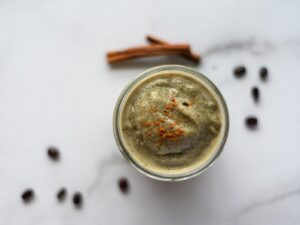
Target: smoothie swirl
170,122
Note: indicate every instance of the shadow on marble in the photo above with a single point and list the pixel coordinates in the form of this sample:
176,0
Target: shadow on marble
178,196
146,63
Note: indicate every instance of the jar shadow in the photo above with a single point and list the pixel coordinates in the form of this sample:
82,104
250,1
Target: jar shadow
192,197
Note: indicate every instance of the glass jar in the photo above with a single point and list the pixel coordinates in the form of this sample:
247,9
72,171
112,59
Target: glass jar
221,138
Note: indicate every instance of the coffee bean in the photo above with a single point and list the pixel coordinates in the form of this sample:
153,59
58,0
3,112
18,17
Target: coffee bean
61,194
28,195
239,71
251,121
77,199
255,93
53,153
124,185
263,73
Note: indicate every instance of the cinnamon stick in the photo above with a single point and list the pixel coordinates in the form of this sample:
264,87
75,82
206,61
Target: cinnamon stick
190,56
149,50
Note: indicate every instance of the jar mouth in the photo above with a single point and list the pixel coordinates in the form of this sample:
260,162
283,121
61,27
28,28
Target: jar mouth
117,115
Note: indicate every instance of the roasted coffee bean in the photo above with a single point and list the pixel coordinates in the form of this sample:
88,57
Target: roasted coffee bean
28,195
53,153
61,194
251,121
255,94
77,199
124,185
263,73
239,71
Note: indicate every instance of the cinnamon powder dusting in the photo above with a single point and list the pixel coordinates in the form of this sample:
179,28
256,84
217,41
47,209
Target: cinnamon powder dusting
164,132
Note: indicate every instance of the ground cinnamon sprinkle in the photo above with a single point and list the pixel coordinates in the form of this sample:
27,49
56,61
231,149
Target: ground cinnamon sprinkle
156,123
166,113
172,125
171,106
169,133
172,135
161,131
147,124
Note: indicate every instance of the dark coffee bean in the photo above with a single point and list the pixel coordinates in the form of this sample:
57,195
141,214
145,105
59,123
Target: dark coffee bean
124,185
255,93
61,194
77,199
53,153
263,73
251,121
239,71
28,195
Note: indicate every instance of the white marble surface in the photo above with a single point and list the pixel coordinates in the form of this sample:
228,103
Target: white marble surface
57,89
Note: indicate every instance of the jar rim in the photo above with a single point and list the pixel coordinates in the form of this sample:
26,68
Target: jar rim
116,118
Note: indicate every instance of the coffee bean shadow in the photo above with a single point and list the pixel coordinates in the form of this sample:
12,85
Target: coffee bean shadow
145,63
79,207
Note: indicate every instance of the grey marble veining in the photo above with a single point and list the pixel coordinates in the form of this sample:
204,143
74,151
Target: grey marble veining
267,202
